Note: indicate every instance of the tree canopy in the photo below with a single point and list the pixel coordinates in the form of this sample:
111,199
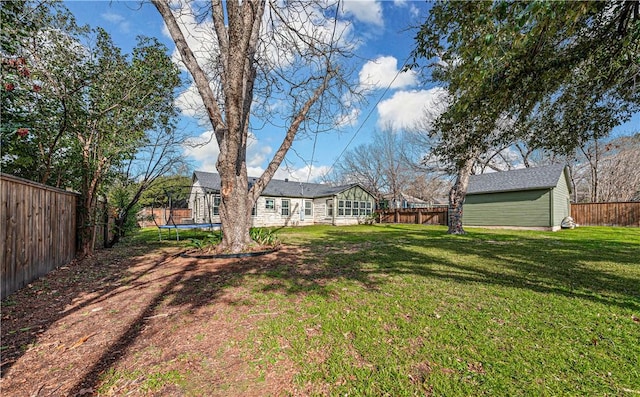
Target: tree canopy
566,70
76,109
554,74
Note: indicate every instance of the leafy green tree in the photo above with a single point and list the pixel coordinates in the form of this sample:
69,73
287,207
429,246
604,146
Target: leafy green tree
37,41
90,109
567,71
157,195
124,99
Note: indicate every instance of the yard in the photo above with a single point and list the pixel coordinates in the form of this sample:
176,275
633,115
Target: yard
361,310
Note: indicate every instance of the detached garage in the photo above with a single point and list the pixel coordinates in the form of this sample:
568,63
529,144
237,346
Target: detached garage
536,198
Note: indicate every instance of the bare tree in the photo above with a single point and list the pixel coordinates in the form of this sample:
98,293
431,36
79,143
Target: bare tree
162,154
620,175
608,171
263,56
379,165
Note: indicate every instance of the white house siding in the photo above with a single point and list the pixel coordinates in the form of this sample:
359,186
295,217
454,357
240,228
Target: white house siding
198,204
273,217
269,217
320,214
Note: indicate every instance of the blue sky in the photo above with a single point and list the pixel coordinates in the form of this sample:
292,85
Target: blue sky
382,27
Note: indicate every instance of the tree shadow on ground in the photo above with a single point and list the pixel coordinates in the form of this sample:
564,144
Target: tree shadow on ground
547,264
29,312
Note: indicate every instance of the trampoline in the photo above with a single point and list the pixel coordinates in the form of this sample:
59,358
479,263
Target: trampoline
177,227
171,224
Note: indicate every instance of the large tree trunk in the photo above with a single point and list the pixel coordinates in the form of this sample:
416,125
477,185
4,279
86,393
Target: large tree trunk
237,33
235,213
456,198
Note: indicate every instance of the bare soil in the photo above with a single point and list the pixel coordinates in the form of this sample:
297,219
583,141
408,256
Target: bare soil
139,321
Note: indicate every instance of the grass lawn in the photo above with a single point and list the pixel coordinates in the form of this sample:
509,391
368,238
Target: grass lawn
404,310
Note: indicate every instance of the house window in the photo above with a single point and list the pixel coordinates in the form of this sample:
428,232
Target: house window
340,207
254,210
329,208
356,212
216,205
347,208
285,207
270,204
368,207
308,208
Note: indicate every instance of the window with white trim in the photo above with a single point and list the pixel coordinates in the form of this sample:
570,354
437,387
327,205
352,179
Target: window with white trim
216,204
308,208
286,204
347,208
270,204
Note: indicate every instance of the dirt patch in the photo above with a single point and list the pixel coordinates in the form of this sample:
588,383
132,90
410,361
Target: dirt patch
128,321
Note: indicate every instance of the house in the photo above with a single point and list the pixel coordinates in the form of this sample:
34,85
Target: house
533,198
287,203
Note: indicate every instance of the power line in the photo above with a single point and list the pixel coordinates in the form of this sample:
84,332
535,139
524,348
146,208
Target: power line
369,114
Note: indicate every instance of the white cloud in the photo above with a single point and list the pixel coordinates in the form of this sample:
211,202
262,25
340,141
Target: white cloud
257,154
364,11
383,72
190,103
123,24
413,10
302,174
405,108
349,119
204,151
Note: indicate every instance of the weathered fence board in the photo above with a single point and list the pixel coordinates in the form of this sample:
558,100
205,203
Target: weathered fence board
606,214
38,230
420,216
161,216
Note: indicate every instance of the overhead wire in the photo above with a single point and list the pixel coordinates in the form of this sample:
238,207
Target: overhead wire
369,114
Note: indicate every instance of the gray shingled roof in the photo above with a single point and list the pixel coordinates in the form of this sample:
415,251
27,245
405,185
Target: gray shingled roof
522,179
277,187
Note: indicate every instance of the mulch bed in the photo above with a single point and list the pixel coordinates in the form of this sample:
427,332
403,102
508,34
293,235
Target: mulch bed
100,326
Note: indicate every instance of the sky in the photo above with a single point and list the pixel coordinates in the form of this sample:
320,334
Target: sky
386,40
395,98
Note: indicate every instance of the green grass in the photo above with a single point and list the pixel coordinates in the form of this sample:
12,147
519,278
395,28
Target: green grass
149,236
407,310
403,310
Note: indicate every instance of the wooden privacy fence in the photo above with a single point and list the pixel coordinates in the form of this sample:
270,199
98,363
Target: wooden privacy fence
38,230
161,216
606,214
420,216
